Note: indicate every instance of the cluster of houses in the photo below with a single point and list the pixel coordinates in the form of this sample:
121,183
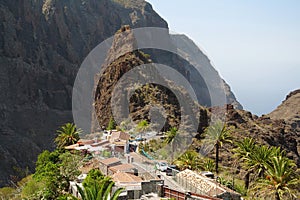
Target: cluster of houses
115,156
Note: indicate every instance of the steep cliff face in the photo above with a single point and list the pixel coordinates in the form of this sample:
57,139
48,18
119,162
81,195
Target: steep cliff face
142,97
42,44
197,58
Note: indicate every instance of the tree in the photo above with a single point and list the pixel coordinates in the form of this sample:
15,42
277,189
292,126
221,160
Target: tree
170,139
188,160
68,167
93,175
259,158
142,126
111,124
218,134
280,181
96,191
68,134
53,172
245,149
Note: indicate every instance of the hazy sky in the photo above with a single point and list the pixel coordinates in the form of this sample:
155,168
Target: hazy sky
255,45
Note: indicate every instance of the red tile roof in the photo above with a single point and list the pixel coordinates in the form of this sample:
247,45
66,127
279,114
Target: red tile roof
109,161
122,167
119,135
126,178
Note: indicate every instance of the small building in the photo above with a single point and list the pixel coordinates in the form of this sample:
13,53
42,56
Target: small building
202,185
117,136
109,162
127,181
128,168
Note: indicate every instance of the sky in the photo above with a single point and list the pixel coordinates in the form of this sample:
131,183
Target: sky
255,45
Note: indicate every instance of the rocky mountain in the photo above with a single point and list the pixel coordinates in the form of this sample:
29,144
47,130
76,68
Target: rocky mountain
196,57
163,96
42,44
271,131
188,60
267,129
289,110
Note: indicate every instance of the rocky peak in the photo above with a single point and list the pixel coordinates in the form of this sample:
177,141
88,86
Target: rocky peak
292,94
124,41
289,110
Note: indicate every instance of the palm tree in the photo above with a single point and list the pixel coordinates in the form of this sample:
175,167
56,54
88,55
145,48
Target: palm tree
280,181
218,134
171,134
170,139
142,126
258,160
188,160
68,134
96,191
245,148
255,157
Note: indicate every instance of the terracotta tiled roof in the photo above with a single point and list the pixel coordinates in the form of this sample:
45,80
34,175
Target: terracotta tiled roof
126,178
84,142
122,167
109,161
119,135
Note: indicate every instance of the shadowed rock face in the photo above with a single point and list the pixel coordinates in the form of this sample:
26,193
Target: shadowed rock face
42,44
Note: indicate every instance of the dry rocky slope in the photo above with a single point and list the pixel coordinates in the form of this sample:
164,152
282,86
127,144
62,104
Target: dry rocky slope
42,44
279,128
289,110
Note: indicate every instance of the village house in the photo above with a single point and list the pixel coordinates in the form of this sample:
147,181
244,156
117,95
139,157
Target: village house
109,162
128,168
199,184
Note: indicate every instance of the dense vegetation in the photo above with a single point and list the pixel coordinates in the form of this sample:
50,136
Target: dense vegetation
55,169
265,171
